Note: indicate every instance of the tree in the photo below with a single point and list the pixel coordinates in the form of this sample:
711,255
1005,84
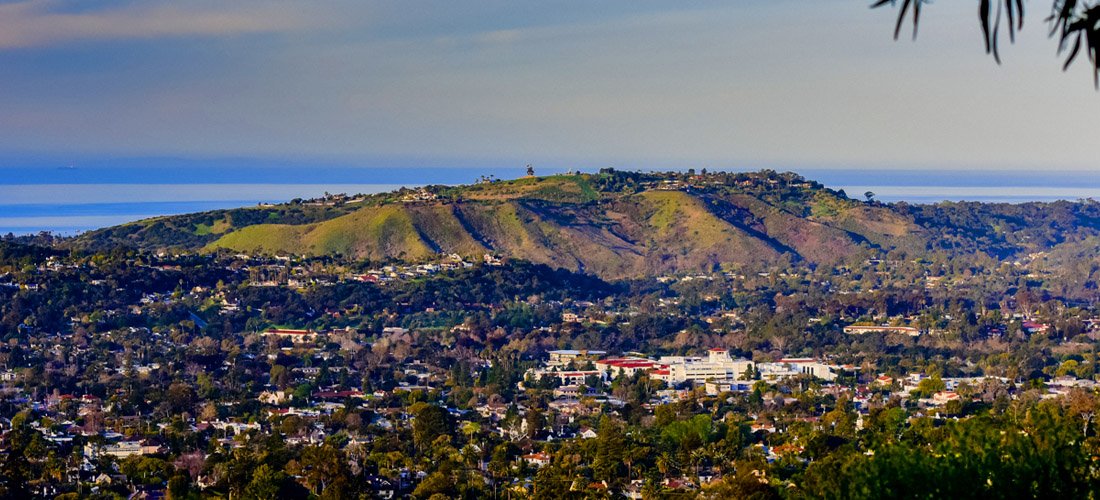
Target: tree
146,470
266,483
536,423
15,470
179,486
1046,456
1075,23
180,396
279,376
429,422
929,386
209,412
840,421
192,463
324,470
437,483
743,484
610,448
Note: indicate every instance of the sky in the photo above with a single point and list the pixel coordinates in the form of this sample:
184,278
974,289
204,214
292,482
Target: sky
751,83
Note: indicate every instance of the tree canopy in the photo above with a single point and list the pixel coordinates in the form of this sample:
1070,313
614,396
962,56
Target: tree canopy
1074,23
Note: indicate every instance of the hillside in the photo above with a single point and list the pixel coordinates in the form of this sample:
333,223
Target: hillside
618,224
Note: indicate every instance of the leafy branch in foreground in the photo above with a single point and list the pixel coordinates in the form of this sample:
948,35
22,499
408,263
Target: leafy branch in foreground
1075,23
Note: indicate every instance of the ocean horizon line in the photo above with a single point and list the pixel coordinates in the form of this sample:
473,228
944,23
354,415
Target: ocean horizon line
82,207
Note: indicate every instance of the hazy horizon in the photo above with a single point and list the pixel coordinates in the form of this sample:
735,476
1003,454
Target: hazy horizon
115,110
70,200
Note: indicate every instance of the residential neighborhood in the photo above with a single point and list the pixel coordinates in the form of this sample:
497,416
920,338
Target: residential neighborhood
479,374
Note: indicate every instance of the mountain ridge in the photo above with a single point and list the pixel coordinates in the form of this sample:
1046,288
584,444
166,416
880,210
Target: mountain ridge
614,224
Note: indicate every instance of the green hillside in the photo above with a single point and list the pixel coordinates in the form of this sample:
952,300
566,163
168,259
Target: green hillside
617,224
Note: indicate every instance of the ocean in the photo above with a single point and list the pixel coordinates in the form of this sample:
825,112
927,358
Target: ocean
68,200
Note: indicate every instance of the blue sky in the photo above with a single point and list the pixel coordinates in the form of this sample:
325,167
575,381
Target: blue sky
780,83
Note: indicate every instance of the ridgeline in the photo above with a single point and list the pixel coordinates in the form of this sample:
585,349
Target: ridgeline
623,224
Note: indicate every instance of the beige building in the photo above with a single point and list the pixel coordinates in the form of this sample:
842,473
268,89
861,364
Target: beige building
121,449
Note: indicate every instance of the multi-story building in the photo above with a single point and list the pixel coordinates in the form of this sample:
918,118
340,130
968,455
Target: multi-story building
717,365
627,365
791,367
565,356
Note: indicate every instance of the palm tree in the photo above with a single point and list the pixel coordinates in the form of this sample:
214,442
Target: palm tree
665,463
697,457
632,455
720,457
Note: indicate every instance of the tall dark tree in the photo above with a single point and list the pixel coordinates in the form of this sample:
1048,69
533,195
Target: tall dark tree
429,422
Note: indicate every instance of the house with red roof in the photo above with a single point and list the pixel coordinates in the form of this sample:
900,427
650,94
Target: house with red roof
540,459
628,365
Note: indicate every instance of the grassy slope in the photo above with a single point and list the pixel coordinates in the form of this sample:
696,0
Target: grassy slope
685,234
564,221
400,231
555,188
263,238
647,233
812,240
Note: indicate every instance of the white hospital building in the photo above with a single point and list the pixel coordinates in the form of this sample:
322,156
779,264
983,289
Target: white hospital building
717,365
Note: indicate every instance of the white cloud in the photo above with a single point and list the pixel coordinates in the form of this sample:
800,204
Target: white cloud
39,23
